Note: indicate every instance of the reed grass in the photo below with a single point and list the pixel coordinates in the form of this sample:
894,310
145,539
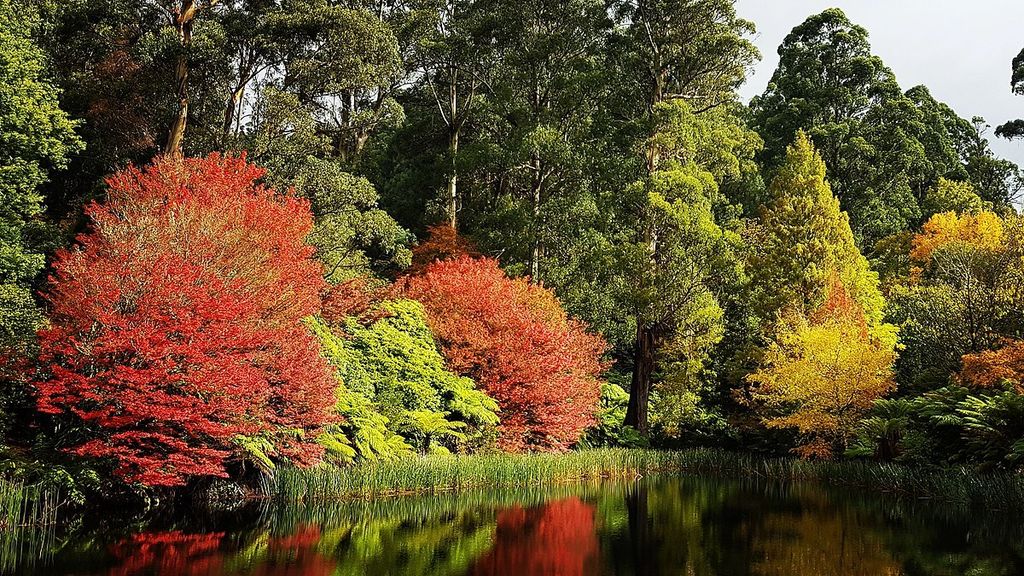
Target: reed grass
27,504
954,486
28,520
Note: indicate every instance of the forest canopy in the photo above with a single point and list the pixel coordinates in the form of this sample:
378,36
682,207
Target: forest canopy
236,235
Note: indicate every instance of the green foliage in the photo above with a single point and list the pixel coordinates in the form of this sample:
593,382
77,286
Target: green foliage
395,364
803,241
883,148
932,335
36,137
353,237
364,433
1014,128
993,428
951,425
952,196
610,431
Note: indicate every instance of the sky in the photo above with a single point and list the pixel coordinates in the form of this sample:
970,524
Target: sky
960,49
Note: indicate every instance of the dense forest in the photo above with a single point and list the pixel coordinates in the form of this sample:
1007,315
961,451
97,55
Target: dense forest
237,235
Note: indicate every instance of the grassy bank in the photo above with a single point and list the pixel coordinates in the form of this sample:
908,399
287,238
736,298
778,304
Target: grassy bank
960,486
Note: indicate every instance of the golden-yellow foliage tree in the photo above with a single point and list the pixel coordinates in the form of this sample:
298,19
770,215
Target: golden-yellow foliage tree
980,231
822,374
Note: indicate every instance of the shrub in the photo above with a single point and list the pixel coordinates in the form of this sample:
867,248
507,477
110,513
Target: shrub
394,363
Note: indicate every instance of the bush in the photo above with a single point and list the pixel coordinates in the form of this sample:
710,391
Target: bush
395,364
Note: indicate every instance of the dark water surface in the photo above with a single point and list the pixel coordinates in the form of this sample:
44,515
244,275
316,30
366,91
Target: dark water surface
665,525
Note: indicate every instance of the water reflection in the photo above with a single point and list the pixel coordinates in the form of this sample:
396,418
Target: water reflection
563,528
700,527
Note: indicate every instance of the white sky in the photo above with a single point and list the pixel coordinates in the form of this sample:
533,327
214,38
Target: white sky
960,49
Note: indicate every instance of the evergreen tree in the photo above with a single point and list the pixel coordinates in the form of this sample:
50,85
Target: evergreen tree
802,242
1014,128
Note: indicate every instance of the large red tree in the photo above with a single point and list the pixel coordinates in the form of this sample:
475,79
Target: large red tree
515,340
176,323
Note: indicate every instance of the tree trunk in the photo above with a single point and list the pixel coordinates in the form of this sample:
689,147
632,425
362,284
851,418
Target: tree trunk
183,24
453,179
536,196
642,540
234,103
640,387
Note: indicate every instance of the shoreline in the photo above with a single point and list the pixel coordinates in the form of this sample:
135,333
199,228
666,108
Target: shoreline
30,506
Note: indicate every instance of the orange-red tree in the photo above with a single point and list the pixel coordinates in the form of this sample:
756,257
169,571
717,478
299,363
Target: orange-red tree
175,324
515,340
557,538
990,368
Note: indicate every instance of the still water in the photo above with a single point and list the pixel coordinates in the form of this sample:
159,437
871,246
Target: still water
664,525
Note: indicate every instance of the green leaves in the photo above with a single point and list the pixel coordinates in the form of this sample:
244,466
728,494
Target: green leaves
884,149
394,381
353,237
36,136
802,241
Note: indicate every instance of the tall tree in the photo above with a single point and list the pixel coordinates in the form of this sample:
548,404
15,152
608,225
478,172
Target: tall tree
181,18
546,88
884,148
802,241
340,63
681,62
454,63
1014,128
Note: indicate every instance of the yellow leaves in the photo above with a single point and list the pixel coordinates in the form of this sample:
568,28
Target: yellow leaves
821,376
982,231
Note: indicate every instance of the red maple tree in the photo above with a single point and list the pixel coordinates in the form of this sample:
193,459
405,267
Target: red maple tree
176,323
515,340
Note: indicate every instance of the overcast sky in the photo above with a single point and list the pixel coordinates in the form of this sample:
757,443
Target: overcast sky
960,49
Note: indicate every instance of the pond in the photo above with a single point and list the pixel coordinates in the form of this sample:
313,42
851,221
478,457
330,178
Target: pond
658,525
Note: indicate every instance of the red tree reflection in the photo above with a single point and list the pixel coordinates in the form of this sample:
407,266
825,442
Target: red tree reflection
178,554
296,555
557,538
169,554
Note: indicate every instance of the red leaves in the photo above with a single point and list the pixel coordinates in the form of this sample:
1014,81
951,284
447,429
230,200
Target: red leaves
443,242
991,368
515,340
176,322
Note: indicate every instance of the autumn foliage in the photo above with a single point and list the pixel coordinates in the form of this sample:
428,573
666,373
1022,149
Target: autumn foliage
983,230
515,340
822,374
176,324
443,242
558,538
993,367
